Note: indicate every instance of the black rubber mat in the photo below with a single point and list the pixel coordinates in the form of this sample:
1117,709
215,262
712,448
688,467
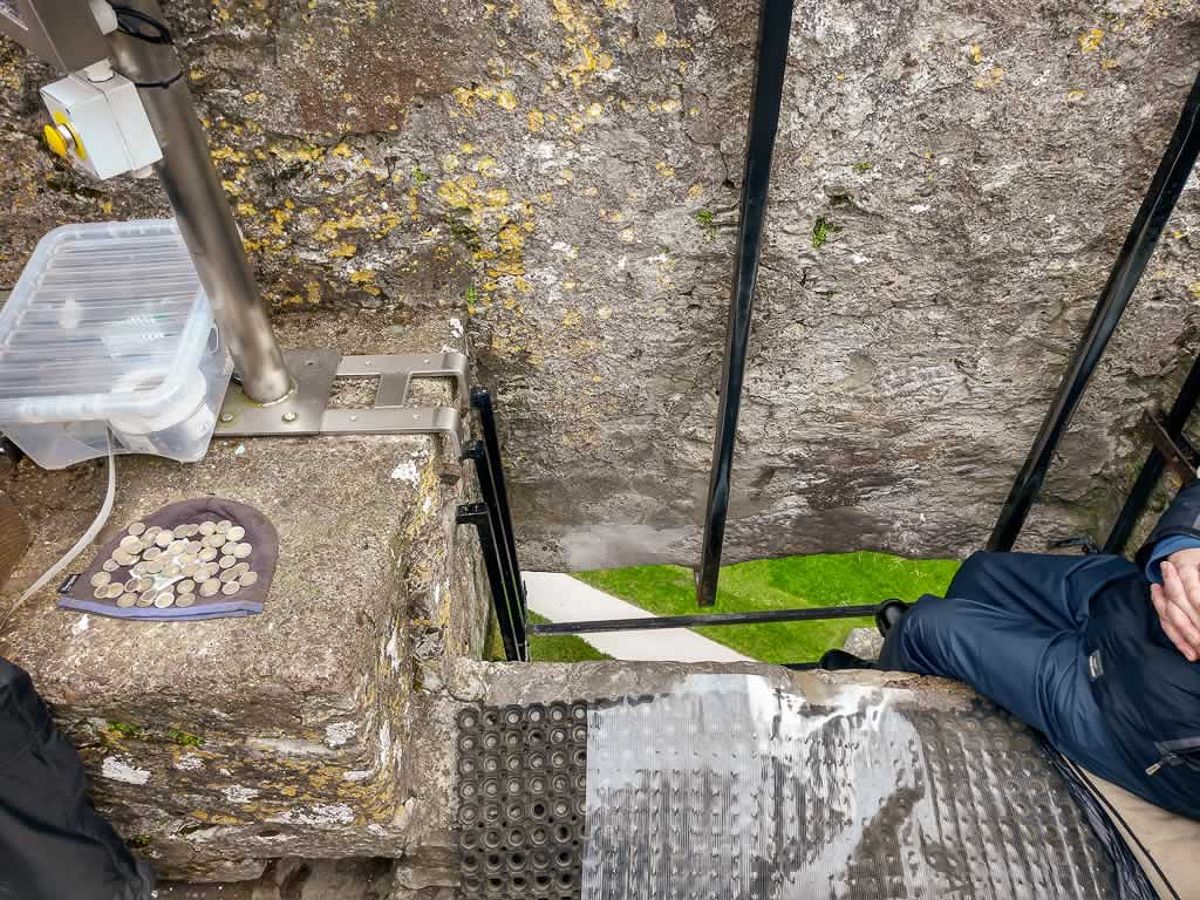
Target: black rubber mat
521,784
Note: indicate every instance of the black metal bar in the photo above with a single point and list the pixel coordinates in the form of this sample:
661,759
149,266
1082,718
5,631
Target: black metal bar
654,623
1177,452
1152,469
774,30
476,451
1164,190
511,628
482,401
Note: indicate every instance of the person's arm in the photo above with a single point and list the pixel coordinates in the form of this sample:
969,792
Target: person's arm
1172,552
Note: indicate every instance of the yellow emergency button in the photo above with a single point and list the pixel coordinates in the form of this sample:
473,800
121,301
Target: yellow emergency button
58,142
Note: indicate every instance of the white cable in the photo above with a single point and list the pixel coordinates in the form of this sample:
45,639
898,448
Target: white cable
84,539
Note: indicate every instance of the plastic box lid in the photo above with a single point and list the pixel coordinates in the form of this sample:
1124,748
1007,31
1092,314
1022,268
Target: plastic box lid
106,318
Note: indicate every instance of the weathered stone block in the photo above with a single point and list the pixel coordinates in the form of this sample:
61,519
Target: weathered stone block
279,734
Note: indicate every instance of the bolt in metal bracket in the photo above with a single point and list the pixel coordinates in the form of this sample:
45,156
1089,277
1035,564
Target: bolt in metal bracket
306,409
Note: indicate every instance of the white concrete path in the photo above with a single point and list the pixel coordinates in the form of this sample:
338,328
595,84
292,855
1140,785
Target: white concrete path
561,598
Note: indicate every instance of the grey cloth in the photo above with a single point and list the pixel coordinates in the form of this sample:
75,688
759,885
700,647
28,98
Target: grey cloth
260,534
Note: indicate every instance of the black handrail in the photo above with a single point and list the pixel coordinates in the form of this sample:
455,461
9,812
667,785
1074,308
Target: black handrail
1152,469
1148,225
655,623
774,29
511,624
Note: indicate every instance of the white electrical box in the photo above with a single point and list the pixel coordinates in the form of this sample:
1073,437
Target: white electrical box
100,125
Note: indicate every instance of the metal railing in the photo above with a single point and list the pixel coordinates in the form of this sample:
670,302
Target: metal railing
492,518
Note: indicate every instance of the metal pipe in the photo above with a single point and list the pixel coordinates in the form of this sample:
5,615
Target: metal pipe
1148,225
512,629
774,30
482,401
477,452
655,623
146,56
1152,469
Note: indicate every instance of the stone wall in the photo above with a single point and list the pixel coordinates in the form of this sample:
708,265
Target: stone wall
953,179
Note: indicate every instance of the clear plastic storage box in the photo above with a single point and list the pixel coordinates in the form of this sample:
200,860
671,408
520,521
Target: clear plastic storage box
108,329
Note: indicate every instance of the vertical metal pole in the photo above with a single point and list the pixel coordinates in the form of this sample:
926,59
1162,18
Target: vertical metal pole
1167,184
145,55
512,631
476,451
482,401
1152,469
774,31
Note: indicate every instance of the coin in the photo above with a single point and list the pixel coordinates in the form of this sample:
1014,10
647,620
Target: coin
113,591
230,588
187,586
146,598
190,569
129,542
210,587
207,527
236,533
151,532
226,561
136,528
213,540
193,547
207,554
228,575
176,546
249,578
242,550
183,601
121,558
126,600
110,565
152,553
100,579
240,568
101,592
172,570
224,525
154,567
132,584
144,584
165,599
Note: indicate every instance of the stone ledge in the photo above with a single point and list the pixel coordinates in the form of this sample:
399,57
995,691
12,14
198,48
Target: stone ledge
215,745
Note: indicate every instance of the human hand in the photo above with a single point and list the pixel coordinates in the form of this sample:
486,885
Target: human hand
1177,601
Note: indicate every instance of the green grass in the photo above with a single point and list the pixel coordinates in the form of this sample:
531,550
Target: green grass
555,648
796,581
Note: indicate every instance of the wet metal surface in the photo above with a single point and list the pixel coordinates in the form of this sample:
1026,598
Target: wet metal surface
727,788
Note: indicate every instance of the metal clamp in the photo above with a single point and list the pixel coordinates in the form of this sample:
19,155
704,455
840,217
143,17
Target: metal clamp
305,410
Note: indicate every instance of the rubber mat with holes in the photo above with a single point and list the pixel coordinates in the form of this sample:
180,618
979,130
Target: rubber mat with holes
521,790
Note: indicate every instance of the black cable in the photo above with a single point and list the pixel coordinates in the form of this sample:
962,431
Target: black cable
1132,881
132,22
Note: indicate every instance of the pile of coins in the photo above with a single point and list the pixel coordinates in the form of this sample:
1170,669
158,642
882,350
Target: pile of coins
170,567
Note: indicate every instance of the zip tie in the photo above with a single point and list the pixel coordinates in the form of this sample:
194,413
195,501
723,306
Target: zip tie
86,538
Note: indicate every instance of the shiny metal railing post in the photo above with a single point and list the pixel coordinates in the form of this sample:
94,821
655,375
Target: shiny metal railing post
201,208
1148,225
774,30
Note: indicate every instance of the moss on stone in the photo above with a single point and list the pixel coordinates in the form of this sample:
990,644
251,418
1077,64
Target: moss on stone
822,231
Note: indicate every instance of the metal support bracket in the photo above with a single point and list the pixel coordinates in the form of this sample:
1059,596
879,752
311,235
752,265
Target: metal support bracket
306,409
1176,450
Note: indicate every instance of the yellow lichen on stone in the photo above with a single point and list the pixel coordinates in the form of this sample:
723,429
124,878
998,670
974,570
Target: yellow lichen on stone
343,251
975,54
660,40
1090,40
506,100
1076,94
990,79
536,119
664,170
342,150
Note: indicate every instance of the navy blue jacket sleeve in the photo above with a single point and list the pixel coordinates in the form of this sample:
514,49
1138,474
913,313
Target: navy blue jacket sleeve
1182,519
